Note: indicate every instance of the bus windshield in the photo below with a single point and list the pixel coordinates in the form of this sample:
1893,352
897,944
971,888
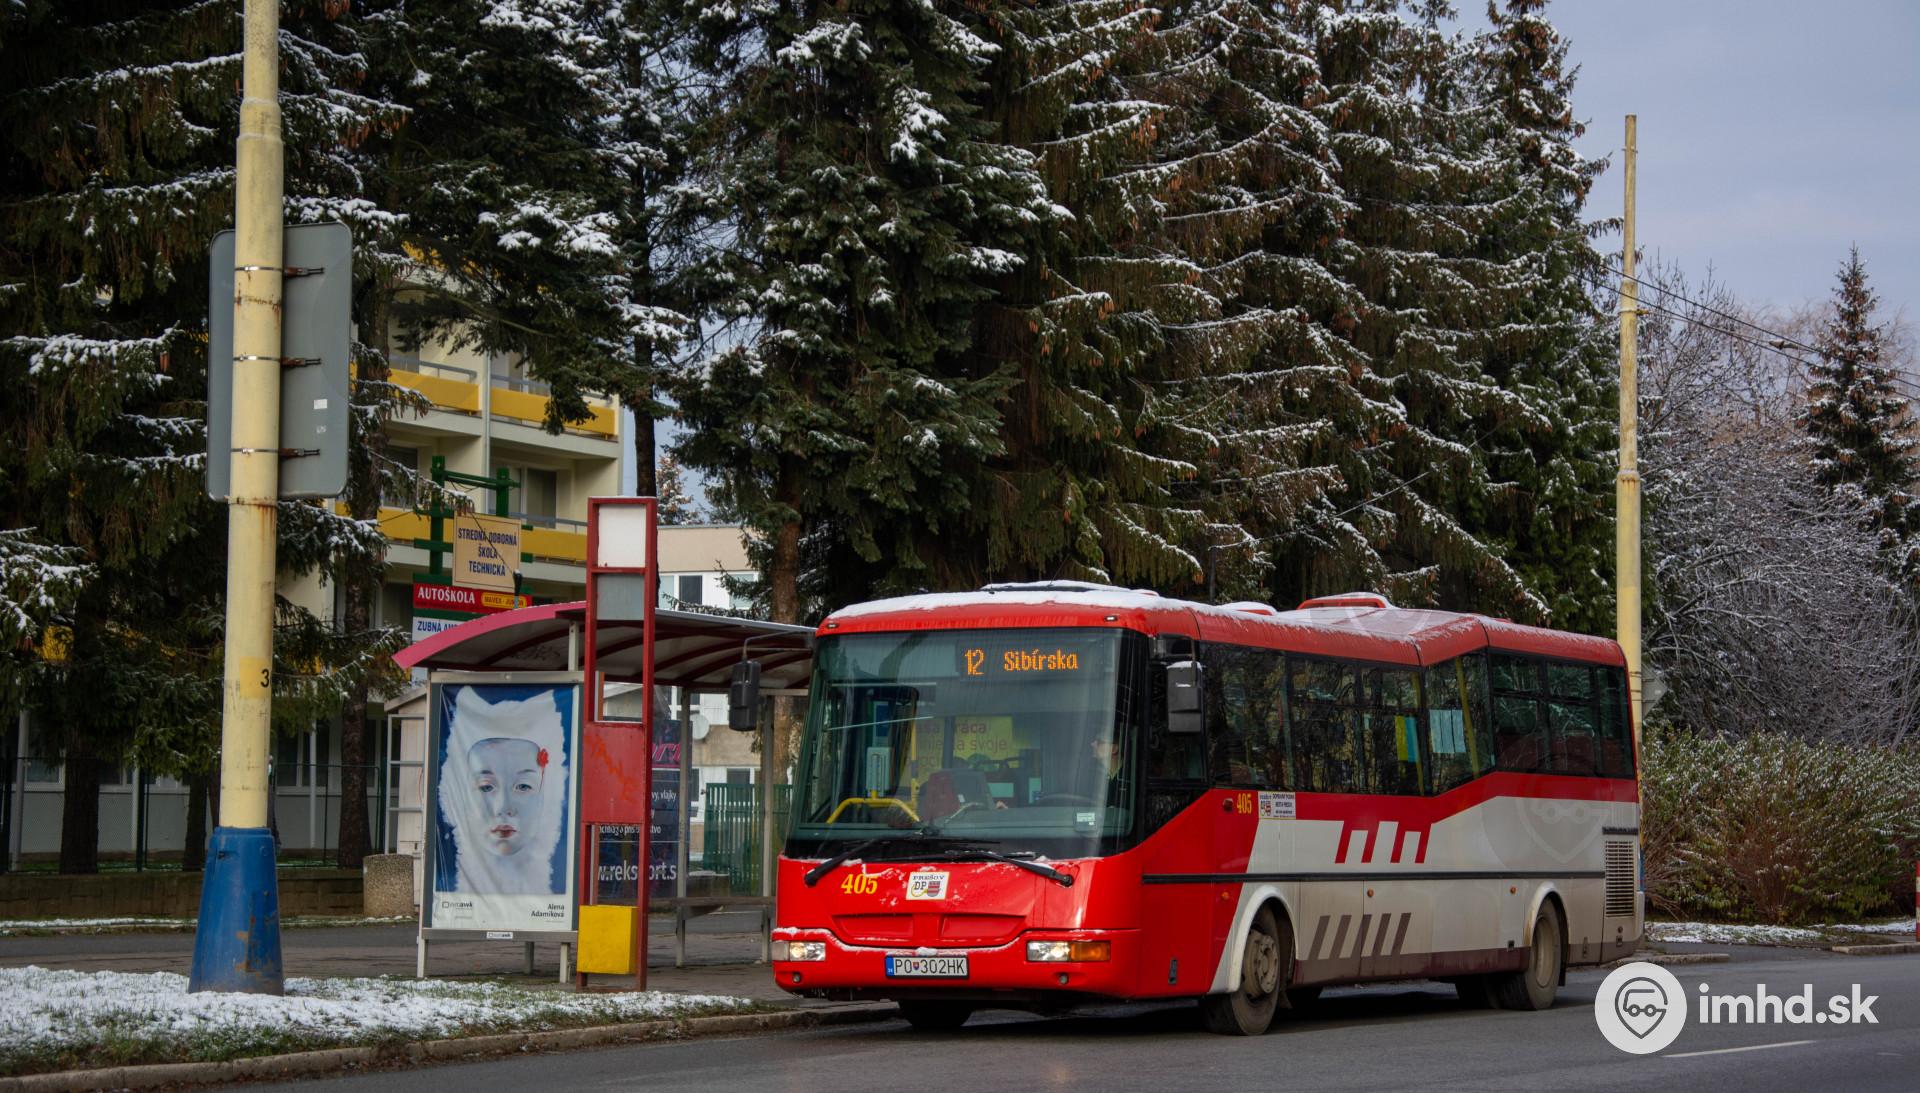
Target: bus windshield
1013,738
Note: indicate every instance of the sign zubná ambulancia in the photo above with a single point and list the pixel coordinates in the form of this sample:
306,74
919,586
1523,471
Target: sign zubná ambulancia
486,551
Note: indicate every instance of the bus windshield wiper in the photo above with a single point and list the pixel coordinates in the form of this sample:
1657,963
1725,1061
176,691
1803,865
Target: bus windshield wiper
1064,880
812,876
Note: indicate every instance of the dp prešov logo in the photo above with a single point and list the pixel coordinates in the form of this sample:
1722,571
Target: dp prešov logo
1641,1008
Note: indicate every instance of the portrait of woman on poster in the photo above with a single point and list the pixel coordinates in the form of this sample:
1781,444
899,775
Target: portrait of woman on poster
503,793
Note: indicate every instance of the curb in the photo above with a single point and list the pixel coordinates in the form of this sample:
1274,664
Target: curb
271,1067
1668,959
1890,949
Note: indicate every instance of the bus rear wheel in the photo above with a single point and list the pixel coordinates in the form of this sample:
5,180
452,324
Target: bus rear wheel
935,1016
1265,964
1534,987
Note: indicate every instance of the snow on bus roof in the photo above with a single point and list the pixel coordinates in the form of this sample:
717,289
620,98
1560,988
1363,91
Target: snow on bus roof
1391,634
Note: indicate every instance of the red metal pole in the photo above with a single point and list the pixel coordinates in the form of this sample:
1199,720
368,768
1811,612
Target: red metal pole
589,714
646,731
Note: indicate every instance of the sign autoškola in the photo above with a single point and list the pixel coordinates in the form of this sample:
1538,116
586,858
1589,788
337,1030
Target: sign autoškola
472,601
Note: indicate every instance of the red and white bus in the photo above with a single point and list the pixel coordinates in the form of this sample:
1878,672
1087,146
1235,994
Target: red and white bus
1039,795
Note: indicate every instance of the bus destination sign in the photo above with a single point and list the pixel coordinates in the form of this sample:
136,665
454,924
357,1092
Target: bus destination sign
978,661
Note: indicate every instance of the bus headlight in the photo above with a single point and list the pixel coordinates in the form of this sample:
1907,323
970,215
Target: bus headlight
1069,951
803,950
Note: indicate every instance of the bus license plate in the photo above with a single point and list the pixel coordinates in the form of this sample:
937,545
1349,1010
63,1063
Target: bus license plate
927,967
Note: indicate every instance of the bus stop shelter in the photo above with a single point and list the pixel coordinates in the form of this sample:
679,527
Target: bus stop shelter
693,653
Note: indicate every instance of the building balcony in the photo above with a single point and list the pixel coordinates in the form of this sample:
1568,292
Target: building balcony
559,542
511,400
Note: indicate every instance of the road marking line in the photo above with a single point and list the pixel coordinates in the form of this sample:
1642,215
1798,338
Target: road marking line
1731,1050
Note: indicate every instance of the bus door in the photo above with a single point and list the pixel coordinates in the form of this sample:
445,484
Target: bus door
1175,918
1326,752
1396,916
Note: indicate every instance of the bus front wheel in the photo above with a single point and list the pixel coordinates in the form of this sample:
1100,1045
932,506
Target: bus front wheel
935,1016
1534,987
1265,964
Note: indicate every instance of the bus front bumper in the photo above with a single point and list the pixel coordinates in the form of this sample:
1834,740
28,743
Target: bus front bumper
862,971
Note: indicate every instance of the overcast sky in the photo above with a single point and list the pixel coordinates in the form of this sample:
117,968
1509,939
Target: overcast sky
1772,135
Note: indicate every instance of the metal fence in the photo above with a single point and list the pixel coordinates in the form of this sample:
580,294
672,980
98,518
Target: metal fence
731,846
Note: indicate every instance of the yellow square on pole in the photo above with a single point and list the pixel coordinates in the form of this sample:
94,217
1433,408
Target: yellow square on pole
606,940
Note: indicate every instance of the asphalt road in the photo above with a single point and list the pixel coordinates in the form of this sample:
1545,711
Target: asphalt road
1398,1036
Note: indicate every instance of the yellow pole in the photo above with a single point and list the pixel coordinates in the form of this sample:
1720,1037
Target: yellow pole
237,942
1627,483
253,509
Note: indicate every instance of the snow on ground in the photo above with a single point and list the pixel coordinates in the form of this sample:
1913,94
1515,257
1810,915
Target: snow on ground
1903,929
64,1018
1722,933
11,924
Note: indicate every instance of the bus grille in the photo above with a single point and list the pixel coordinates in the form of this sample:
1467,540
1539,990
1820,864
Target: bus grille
1620,855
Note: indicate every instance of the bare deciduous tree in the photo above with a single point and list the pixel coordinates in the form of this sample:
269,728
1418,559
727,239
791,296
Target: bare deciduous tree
1771,610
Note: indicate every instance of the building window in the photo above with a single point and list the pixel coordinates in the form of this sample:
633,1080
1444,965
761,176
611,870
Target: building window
300,759
536,499
690,589
42,754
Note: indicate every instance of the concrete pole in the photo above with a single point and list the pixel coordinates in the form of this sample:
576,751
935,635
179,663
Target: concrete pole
1627,483
237,947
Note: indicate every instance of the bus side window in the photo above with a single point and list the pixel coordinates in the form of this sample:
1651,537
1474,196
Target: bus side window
1393,731
1572,719
1616,738
1519,735
1327,742
1243,709
1457,738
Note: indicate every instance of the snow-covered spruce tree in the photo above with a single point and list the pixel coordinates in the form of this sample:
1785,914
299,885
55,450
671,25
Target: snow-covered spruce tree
509,190
120,122
1254,385
654,94
1104,312
864,207
677,506
1536,330
1860,428
1433,298
1365,377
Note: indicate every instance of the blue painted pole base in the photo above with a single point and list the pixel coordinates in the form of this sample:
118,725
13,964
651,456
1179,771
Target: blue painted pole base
236,946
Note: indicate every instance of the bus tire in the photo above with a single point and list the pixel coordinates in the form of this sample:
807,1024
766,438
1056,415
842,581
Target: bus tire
935,1016
1534,987
1266,962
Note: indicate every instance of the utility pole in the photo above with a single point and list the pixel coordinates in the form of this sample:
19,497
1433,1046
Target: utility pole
1626,536
237,943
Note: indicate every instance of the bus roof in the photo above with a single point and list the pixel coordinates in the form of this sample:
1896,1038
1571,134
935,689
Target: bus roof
1383,634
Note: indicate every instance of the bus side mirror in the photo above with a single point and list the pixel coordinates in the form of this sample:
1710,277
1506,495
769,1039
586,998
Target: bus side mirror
1185,697
743,697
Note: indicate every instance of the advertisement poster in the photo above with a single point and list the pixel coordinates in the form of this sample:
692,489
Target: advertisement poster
503,771
617,857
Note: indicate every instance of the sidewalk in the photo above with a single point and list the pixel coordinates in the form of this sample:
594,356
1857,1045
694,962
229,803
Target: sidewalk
722,953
